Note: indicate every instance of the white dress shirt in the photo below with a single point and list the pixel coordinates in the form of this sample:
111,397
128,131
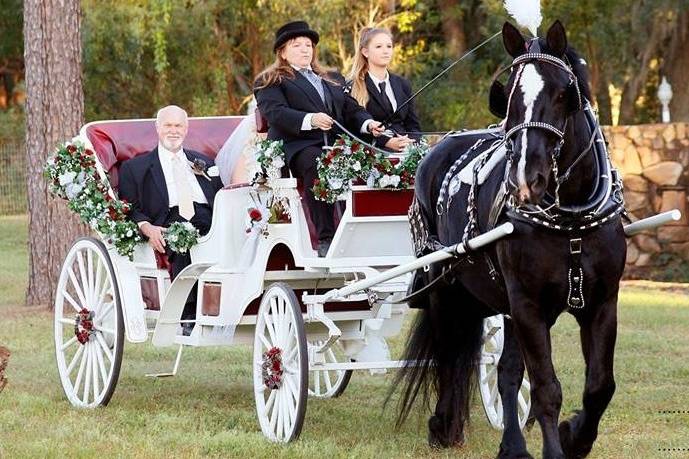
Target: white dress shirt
306,122
388,88
166,157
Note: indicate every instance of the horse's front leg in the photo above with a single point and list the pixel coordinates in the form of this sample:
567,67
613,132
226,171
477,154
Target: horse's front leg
510,376
546,394
598,335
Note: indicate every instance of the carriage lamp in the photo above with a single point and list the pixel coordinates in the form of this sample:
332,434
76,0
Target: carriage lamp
665,96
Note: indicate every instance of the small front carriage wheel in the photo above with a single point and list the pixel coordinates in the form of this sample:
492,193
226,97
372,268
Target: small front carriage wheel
89,327
493,343
280,364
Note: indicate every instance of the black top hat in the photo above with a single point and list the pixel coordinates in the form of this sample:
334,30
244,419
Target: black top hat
293,30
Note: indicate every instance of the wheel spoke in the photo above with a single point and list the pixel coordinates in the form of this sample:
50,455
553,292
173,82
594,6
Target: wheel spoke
74,360
89,276
264,341
98,280
77,288
317,382
523,404
68,343
100,317
269,325
101,364
292,353
274,413
526,385
270,402
87,376
105,347
102,329
94,366
292,387
493,394
82,275
328,382
80,373
104,289
70,300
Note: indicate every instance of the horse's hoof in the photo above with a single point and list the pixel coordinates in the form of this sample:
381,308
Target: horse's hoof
573,447
505,454
438,437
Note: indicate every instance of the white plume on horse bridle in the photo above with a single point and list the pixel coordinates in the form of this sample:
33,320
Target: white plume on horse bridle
527,13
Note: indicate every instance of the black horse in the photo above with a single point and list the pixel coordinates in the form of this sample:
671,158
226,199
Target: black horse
567,253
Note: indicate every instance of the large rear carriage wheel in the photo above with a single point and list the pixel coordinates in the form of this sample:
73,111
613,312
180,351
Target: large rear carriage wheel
280,364
493,343
89,327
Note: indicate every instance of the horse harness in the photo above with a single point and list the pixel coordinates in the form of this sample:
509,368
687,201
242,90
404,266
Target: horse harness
604,203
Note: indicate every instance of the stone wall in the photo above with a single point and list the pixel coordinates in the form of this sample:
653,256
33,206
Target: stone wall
654,162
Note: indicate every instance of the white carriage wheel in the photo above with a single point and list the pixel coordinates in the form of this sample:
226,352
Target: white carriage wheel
493,343
89,327
329,383
280,364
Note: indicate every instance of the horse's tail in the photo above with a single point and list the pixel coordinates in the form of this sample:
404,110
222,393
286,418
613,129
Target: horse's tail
441,353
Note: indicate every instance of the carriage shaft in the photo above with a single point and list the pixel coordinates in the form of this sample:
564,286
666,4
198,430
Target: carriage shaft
456,250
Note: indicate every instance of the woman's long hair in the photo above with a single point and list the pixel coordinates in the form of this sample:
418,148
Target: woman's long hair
280,69
360,66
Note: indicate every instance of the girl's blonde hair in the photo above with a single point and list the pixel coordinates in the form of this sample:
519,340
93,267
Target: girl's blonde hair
280,69
360,66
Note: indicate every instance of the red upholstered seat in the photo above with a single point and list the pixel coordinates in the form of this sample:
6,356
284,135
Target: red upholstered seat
117,141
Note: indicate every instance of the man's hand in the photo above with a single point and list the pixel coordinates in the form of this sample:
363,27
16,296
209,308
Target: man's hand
398,143
376,128
322,121
155,236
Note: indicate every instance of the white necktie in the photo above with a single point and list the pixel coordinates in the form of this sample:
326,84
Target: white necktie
185,201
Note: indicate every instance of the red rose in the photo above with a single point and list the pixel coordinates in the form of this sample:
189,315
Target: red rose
355,147
71,148
316,182
255,214
89,152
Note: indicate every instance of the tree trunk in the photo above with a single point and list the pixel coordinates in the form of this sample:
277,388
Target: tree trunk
54,113
453,27
4,360
675,68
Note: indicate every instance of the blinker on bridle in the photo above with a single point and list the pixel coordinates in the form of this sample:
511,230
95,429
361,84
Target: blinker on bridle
534,54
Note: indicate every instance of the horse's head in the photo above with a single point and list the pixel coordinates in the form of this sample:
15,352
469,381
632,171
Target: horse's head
541,93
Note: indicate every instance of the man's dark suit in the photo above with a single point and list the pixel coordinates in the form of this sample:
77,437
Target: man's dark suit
284,106
142,184
404,121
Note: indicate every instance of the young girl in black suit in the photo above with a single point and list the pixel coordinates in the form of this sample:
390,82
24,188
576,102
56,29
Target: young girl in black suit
300,100
381,92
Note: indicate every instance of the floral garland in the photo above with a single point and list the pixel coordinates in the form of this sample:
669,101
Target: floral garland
348,161
72,174
270,156
83,325
181,236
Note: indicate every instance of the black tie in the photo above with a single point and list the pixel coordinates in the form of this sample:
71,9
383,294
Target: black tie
387,105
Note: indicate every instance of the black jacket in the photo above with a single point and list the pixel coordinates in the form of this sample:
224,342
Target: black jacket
142,184
285,105
403,122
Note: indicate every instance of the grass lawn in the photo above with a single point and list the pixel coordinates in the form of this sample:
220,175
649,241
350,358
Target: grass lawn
208,409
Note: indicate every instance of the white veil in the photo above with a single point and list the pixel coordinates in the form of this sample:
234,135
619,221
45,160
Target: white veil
235,158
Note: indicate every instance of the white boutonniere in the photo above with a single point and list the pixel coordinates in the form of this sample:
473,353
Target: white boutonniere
213,171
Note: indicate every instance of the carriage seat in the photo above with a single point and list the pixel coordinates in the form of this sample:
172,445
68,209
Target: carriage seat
118,141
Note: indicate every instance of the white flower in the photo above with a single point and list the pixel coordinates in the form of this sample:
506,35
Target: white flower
172,238
72,190
130,233
335,183
394,180
384,181
278,163
356,166
213,171
66,178
189,226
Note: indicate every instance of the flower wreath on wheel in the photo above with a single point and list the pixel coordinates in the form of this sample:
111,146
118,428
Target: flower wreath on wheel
72,174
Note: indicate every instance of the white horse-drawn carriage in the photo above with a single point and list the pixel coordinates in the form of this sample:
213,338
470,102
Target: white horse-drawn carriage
311,320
